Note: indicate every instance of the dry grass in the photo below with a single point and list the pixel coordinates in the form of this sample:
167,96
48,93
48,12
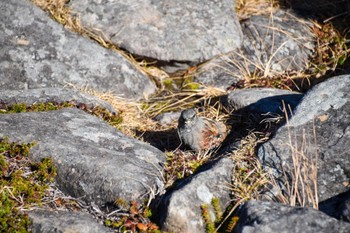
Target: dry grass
332,49
330,54
181,164
186,98
249,178
247,8
134,118
261,69
138,117
299,186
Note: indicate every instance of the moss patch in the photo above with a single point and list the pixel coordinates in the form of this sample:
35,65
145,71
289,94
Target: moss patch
22,184
39,107
102,113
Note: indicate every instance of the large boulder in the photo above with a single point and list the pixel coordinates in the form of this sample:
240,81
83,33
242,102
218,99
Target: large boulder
95,162
267,217
37,52
272,45
187,31
180,209
319,129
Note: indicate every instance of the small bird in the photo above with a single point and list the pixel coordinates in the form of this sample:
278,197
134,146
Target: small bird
200,133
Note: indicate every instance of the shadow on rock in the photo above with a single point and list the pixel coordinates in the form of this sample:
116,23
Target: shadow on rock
337,12
167,140
265,115
337,207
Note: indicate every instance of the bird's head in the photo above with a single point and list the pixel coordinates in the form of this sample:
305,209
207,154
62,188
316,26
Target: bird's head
188,117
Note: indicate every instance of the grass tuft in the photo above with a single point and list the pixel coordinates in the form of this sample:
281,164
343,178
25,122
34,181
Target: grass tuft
248,178
299,186
209,224
247,8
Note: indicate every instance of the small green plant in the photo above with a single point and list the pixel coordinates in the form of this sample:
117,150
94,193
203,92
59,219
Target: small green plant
215,202
232,223
113,119
209,224
131,216
332,49
181,164
22,184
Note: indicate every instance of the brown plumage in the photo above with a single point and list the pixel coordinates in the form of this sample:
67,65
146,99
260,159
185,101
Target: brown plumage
200,133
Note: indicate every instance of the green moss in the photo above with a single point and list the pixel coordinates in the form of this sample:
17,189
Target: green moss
215,202
22,184
168,83
209,224
103,113
38,107
46,171
11,220
18,108
192,86
224,222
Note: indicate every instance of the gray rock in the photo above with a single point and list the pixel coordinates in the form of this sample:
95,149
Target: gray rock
47,221
272,44
257,216
37,52
180,209
326,109
95,162
262,100
55,95
165,30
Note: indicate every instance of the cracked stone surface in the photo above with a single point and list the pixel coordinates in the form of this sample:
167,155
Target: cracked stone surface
325,109
165,30
48,221
267,217
37,52
95,162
